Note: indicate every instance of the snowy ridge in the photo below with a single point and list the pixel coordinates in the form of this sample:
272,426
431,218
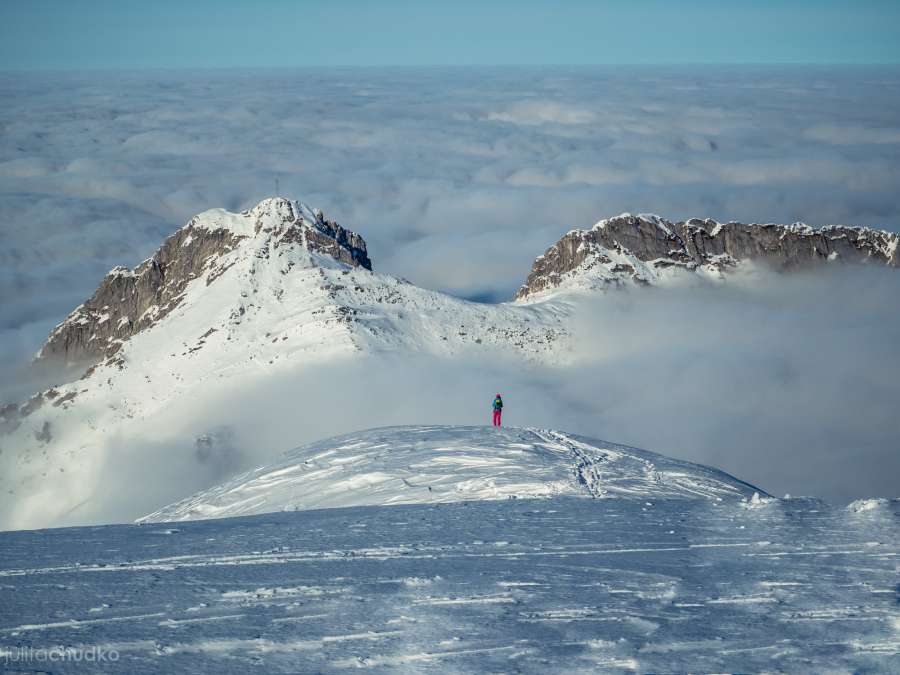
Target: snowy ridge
646,249
439,464
198,254
651,218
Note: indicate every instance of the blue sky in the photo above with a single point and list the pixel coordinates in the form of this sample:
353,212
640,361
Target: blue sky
73,34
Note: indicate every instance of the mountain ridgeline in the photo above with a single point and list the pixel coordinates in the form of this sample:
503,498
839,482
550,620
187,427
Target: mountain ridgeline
645,248
642,249
131,300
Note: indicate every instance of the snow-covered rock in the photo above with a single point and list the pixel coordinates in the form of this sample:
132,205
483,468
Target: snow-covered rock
645,249
757,501
865,505
432,464
130,301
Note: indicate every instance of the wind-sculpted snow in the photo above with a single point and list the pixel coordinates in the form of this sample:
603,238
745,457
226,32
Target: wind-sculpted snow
407,465
533,586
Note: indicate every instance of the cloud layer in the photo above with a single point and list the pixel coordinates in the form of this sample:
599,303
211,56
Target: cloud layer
457,177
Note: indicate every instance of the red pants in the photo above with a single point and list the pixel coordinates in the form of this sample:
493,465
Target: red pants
497,414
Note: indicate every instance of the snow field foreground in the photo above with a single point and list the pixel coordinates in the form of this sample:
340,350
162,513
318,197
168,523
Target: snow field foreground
428,464
553,585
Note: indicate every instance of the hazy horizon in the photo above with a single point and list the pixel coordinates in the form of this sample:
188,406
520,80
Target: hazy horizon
168,33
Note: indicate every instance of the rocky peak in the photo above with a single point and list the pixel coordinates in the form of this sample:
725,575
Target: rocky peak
641,248
291,221
130,300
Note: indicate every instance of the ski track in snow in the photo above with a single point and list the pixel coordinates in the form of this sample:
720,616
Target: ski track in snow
563,583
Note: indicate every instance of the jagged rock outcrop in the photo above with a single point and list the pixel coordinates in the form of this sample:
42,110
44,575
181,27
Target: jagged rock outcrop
130,300
640,248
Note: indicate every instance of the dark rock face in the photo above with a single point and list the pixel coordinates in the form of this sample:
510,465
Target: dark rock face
45,435
694,243
128,301
326,236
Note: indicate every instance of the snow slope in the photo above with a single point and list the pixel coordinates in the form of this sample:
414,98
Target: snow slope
436,464
531,586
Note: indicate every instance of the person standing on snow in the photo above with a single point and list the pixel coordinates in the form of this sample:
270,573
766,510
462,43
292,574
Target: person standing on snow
498,409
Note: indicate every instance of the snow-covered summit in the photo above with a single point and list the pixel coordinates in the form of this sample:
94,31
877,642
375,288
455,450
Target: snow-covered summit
129,301
646,249
439,464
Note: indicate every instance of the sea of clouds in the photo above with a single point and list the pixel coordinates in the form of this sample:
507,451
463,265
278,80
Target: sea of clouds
458,178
